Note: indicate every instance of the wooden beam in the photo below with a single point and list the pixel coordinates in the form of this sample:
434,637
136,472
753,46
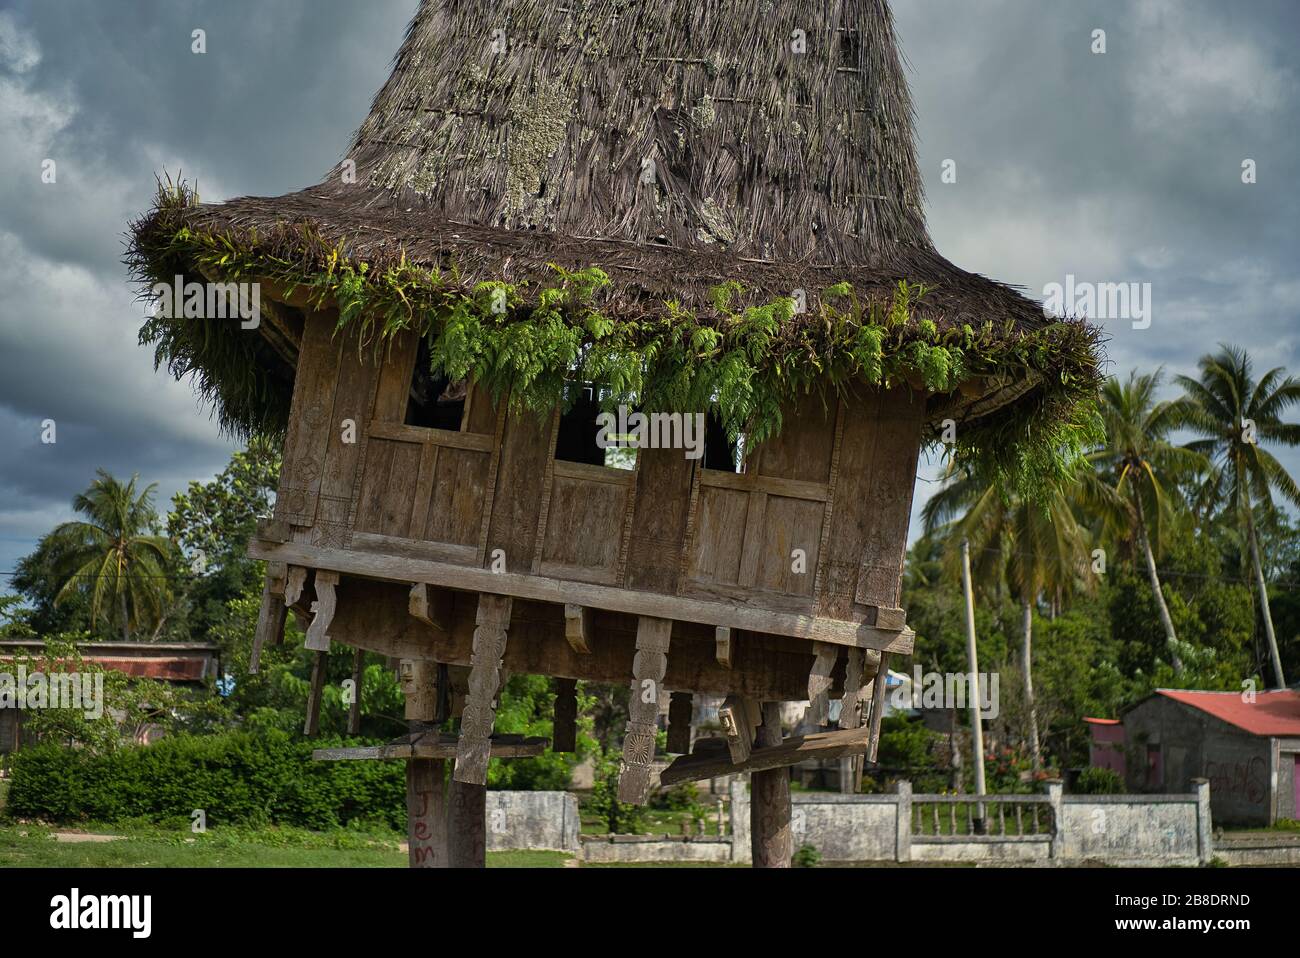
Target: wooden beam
565,728
729,612
819,683
577,627
722,639
322,612
740,718
472,754
648,668
792,751
893,619
771,836
680,710
316,690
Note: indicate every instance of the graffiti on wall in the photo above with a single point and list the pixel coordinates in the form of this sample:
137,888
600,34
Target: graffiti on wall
1245,780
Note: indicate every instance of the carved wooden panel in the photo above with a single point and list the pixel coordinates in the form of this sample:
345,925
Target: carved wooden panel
584,522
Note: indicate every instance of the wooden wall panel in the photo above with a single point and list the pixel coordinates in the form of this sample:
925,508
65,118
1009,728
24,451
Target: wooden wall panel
517,500
310,414
719,535
353,399
457,497
802,450
789,524
663,495
584,526
893,480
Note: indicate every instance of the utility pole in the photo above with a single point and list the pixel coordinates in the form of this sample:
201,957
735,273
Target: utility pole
976,724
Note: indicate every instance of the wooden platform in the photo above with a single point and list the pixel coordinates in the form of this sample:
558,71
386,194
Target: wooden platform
712,761
431,745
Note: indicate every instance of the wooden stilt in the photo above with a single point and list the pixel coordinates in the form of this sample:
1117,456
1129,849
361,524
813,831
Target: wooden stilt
467,825
740,718
426,812
878,706
771,837
474,748
272,614
312,725
564,731
648,668
679,723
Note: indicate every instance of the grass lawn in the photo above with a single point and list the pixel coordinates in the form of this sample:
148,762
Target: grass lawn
36,847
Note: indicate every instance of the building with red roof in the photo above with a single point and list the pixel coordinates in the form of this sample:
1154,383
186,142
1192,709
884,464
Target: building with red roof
1246,744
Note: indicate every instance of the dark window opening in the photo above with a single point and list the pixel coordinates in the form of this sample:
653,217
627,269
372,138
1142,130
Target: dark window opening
719,451
435,402
850,48
576,441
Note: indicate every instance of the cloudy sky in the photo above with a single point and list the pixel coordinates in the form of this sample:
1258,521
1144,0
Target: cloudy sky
1115,167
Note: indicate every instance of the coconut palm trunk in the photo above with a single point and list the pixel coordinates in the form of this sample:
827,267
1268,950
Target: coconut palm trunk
1144,543
1026,664
1263,601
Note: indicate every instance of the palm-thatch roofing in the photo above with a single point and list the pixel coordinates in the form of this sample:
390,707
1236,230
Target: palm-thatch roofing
635,159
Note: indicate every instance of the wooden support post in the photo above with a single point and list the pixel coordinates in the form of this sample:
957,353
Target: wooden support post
294,580
577,627
270,626
474,747
851,717
819,683
564,731
467,825
322,612
354,707
679,723
771,837
740,718
426,812
725,651
648,668
878,706
312,725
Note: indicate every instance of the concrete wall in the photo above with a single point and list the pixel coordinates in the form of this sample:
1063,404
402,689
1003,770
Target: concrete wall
1132,829
532,820
846,828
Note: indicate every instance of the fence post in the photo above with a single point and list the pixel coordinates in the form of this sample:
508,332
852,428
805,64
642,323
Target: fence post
1055,796
903,841
740,847
1204,835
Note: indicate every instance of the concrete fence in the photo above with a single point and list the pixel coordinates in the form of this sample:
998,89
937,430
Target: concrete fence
1049,828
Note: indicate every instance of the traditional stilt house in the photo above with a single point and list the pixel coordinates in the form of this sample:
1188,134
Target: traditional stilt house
709,209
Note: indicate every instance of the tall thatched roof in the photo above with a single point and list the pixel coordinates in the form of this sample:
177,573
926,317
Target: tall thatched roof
675,146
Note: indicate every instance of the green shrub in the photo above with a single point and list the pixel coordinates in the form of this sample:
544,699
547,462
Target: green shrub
1099,781
806,857
235,778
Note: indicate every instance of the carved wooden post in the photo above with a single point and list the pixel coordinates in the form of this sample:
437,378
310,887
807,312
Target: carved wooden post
475,744
467,825
648,668
771,835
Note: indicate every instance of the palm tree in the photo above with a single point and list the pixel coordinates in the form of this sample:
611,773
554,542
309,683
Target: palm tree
1138,457
1233,413
1038,546
114,554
